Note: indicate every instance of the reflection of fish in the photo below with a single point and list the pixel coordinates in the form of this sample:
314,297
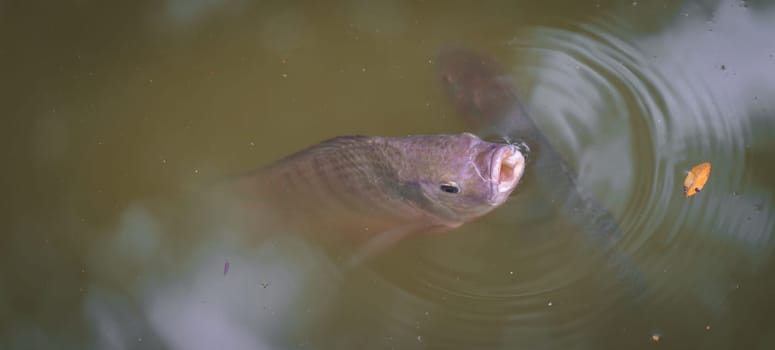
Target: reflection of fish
485,94
381,189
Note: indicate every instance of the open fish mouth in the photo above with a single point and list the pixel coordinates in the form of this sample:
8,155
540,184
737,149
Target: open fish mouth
507,167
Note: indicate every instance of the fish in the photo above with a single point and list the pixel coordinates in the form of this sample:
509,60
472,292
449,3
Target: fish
377,190
487,98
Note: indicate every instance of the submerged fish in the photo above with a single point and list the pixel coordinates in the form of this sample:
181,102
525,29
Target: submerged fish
487,98
380,189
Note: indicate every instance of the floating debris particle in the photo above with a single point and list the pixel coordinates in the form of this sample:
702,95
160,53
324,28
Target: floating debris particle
226,267
656,336
696,179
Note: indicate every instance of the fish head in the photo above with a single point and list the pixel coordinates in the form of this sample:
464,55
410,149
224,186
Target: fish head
461,177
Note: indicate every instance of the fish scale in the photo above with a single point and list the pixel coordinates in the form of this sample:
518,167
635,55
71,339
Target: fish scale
337,174
337,184
355,181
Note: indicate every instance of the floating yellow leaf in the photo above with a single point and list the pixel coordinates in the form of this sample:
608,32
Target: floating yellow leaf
696,179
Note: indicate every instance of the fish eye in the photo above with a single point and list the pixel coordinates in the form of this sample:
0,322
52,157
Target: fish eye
450,187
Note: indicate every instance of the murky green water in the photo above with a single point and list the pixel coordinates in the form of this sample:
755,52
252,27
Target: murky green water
111,111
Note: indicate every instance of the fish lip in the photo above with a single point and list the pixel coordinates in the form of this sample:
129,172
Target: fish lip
507,165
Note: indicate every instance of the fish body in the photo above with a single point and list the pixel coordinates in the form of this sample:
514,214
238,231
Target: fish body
369,188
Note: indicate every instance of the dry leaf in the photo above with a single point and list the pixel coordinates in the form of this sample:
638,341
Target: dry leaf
696,179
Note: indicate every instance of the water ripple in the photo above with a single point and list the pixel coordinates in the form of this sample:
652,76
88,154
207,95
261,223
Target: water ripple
632,120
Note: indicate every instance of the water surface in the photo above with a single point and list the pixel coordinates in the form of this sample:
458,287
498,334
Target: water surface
115,113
